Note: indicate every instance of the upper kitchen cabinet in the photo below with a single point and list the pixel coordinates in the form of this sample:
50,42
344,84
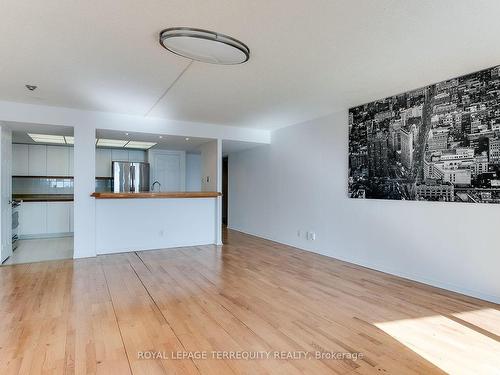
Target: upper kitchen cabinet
137,156
37,160
41,160
57,161
104,157
19,160
71,158
119,155
103,162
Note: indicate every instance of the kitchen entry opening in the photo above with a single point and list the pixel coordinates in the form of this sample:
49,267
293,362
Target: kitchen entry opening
36,193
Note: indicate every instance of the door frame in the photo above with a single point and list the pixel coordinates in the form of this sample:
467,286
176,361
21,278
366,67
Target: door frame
5,193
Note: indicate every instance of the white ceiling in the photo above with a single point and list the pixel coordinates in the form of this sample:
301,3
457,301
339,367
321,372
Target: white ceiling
308,58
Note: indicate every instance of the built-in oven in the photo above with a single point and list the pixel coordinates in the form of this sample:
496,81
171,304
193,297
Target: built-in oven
15,223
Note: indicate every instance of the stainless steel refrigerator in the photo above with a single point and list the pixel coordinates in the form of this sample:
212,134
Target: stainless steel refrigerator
130,177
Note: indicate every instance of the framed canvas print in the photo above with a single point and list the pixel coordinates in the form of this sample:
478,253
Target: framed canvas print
437,143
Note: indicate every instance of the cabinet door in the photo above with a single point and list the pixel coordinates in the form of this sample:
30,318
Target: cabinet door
103,162
119,155
57,161
58,217
137,156
33,218
71,218
37,160
19,160
71,158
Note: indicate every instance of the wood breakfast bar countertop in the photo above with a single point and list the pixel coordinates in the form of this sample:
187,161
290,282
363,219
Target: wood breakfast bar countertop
146,194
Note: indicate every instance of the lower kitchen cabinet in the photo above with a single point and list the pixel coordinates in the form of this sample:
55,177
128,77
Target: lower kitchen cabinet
58,217
45,219
32,218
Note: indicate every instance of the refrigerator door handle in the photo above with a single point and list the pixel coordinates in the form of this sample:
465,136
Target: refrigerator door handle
132,177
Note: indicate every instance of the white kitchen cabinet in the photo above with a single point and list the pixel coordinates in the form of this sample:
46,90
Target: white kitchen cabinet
104,158
42,160
58,214
37,160
33,218
57,161
71,160
19,160
119,155
45,219
71,217
103,162
137,156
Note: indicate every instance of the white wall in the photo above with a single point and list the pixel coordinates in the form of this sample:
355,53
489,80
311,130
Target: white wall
5,193
84,186
40,114
299,182
209,166
193,172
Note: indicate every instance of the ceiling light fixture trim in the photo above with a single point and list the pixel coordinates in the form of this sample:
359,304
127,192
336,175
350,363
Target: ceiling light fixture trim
192,43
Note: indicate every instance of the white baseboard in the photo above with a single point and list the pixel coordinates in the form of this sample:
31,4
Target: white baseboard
45,235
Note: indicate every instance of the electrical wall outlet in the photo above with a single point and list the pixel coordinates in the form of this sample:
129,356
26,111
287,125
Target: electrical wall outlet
310,236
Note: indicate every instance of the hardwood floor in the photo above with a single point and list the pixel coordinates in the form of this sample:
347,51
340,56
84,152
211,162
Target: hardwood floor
110,314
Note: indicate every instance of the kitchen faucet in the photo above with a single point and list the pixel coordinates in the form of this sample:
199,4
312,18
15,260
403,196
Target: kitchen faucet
153,186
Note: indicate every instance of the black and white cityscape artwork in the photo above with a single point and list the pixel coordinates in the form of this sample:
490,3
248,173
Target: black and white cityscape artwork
437,143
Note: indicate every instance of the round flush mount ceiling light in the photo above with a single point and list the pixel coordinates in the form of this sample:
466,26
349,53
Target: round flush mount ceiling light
204,45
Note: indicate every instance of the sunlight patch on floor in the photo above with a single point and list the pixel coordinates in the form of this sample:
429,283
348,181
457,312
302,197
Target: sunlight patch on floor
487,319
449,345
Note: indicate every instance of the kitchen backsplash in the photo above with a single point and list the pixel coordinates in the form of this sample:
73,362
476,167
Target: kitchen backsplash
103,185
29,185
37,185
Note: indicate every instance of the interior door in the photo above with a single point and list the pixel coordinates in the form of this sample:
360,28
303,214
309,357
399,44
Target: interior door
167,170
6,193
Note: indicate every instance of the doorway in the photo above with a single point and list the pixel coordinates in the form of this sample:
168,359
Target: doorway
224,190
37,193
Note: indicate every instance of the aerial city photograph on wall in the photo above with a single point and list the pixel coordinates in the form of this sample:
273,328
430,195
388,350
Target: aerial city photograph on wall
437,143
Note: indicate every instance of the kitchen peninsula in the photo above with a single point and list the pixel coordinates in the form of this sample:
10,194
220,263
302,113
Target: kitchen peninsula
154,220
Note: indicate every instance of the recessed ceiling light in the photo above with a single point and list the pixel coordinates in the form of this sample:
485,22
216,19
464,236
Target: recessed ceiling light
126,133
47,138
69,140
187,138
141,145
161,136
111,142
204,45
31,87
